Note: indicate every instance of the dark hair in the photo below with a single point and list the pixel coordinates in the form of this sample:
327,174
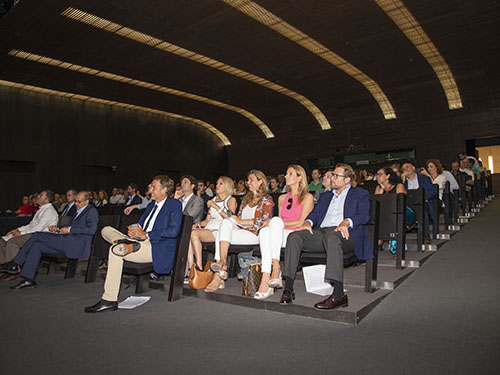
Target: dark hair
50,195
394,179
437,163
190,178
133,186
203,182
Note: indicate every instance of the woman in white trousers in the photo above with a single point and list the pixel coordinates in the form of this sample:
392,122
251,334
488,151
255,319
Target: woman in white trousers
255,213
294,207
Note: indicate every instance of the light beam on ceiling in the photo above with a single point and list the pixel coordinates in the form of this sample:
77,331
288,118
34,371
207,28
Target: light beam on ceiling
91,99
103,24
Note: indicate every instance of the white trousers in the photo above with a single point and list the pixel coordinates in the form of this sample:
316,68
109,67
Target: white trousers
271,239
229,232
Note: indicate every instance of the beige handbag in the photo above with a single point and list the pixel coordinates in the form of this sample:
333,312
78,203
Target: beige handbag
199,279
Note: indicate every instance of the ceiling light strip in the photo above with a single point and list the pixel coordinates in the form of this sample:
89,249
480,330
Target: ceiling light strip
270,20
115,77
64,94
149,40
408,24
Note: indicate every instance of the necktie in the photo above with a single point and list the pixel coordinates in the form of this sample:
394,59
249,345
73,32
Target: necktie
150,217
65,211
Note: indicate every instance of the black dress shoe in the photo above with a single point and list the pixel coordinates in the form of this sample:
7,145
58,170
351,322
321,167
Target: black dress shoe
25,284
287,297
124,247
101,306
330,303
9,267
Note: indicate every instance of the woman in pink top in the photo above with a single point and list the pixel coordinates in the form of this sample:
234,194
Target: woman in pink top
294,207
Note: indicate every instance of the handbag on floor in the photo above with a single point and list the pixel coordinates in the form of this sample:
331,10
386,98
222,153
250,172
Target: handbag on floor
252,281
199,279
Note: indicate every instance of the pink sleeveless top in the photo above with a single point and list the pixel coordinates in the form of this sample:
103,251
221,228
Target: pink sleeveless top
294,212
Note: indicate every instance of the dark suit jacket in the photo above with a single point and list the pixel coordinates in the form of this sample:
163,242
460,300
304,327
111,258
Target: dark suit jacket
71,212
167,224
430,191
83,228
135,200
356,208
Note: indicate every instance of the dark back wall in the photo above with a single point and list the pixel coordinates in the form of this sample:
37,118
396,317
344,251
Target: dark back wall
58,143
432,137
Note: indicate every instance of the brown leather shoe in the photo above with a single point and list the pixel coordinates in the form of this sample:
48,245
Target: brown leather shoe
125,247
427,241
330,303
287,297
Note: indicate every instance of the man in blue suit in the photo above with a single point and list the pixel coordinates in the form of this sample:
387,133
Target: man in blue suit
73,240
333,227
152,240
414,180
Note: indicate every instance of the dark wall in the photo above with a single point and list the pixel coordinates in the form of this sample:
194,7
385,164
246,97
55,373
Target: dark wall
58,143
440,138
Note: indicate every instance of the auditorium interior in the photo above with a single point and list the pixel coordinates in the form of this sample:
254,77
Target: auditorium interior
97,94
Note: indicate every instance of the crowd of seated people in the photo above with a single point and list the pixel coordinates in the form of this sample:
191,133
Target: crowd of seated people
324,215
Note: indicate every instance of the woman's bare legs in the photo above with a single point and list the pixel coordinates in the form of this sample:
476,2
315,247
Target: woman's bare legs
195,245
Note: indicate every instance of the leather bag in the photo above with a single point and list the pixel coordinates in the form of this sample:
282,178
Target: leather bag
199,279
252,281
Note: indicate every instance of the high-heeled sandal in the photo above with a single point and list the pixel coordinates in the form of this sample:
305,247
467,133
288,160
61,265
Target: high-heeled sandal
264,295
276,283
220,285
217,267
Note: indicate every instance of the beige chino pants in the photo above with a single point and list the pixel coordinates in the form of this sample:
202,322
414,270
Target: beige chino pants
115,263
9,249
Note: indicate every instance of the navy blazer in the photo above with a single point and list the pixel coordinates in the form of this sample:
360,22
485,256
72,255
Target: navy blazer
430,191
79,240
356,208
135,200
167,224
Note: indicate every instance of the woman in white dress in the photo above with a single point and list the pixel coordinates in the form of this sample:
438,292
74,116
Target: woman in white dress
434,170
218,209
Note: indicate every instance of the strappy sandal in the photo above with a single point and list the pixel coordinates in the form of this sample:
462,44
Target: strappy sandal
222,270
212,288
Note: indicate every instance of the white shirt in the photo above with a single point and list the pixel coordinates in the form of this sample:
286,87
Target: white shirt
115,199
153,219
413,184
335,214
185,200
440,180
451,179
43,219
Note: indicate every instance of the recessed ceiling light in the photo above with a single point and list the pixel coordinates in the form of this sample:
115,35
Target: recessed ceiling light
408,24
270,20
115,77
103,24
91,99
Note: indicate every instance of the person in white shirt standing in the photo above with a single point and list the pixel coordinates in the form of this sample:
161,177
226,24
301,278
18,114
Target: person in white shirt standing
46,216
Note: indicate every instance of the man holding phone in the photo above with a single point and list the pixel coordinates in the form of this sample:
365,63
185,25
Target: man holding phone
153,239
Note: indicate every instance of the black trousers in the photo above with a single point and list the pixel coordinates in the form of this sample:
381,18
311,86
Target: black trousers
323,240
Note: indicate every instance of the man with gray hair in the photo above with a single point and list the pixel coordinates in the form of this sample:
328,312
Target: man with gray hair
16,238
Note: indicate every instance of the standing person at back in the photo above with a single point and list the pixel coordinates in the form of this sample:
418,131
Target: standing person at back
316,181
192,204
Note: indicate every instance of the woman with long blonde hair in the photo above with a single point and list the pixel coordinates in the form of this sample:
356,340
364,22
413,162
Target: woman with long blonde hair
220,207
294,207
254,214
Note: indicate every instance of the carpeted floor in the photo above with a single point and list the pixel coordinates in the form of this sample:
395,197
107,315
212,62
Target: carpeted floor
445,319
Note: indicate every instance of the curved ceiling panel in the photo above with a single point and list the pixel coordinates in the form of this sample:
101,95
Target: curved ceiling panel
131,81
402,17
64,94
270,20
149,40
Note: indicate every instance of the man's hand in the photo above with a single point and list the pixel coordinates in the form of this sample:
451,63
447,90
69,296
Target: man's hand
64,230
14,232
137,232
53,228
343,228
178,194
128,210
306,226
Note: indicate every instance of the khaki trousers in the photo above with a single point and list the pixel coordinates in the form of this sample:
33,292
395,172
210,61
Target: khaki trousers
115,263
9,249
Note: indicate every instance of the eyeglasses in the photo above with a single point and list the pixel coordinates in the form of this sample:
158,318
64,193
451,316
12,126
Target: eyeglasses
290,201
380,174
78,201
335,175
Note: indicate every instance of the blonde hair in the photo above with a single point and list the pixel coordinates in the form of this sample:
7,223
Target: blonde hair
263,189
348,172
228,185
303,187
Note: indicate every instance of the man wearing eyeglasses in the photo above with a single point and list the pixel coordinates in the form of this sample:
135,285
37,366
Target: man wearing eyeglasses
73,240
16,238
333,227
